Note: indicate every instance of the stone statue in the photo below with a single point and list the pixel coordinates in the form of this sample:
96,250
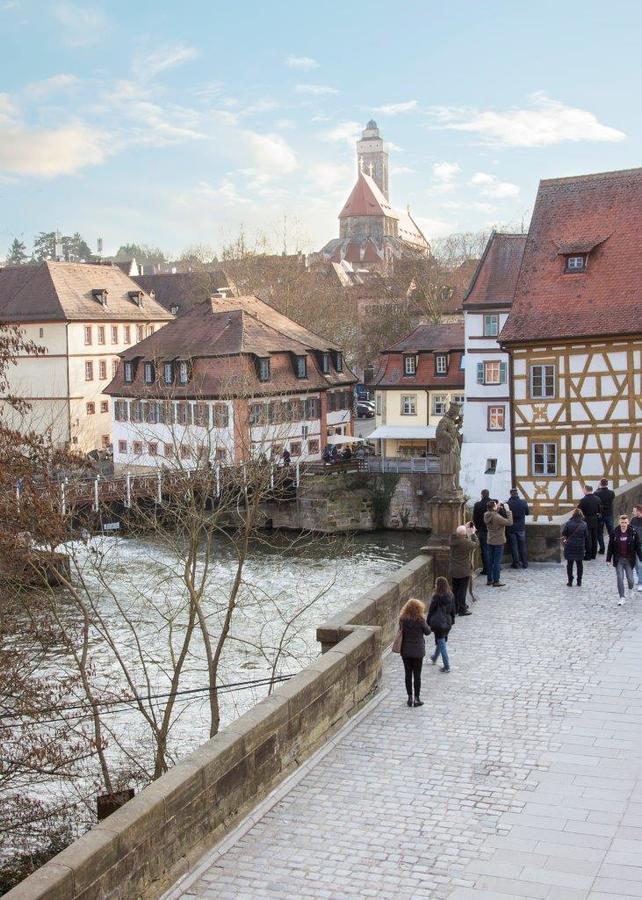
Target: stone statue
449,450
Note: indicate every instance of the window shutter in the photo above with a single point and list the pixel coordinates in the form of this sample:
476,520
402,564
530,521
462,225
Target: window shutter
480,373
502,373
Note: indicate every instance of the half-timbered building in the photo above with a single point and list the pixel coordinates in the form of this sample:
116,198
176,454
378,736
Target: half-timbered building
574,335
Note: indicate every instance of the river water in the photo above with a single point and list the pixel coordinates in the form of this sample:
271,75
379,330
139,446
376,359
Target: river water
290,585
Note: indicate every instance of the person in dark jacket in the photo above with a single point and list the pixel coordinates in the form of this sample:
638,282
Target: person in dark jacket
575,538
517,531
624,551
636,525
412,621
478,521
606,497
441,618
462,546
591,506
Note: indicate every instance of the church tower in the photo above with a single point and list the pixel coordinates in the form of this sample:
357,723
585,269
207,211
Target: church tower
372,157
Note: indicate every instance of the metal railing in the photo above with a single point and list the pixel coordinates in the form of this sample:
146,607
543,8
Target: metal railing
413,465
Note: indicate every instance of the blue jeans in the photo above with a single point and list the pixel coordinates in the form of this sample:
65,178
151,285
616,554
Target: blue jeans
441,649
624,568
518,547
496,551
638,569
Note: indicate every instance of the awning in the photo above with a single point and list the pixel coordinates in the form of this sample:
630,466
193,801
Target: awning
404,432
345,439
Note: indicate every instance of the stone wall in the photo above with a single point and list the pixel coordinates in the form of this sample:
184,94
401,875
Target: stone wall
143,848
358,501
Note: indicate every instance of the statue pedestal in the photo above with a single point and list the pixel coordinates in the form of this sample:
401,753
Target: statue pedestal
446,513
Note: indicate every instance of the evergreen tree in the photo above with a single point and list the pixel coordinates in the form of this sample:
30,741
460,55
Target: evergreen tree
17,255
44,246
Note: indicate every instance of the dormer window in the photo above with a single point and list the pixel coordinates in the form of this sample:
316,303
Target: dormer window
410,365
100,294
325,362
441,364
576,262
168,373
338,361
301,367
136,297
183,372
264,368
149,373
129,372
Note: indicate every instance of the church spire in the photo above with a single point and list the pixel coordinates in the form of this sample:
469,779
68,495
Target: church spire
372,156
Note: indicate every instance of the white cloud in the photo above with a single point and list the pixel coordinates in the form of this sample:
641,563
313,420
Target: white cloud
225,192
344,131
545,123
8,5
395,109
61,82
265,104
329,175
477,205
148,65
316,90
304,63
444,175
491,186
154,124
402,170
434,228
445,171
272,155
8,110
47,153
82,25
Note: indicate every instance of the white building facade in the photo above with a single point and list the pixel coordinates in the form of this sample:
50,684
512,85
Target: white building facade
486,448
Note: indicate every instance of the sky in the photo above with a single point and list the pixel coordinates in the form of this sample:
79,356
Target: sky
180,123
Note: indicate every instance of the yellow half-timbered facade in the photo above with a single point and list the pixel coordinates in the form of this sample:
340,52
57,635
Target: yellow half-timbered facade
577,417
574,337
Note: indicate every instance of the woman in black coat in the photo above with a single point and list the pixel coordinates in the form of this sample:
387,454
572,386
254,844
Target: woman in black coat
412,622
575,539
441,618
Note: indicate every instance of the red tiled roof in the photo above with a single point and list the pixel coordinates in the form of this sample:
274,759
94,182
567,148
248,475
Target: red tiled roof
366,200
496,276
606,298
61,291
426,340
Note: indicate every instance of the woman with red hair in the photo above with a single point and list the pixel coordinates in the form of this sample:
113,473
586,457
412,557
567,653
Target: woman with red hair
413,626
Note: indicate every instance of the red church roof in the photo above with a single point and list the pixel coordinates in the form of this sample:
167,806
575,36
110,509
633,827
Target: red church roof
603,211
366,200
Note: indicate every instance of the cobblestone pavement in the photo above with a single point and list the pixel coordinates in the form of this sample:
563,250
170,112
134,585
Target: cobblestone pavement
521,776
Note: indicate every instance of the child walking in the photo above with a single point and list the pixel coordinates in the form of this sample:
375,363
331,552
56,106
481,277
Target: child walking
441,618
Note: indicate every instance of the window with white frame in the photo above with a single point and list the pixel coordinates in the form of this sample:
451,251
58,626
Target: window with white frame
114,334
102,369
325,363
101,334
221,415
338,361
492,372
148,373
542,381
409,405
183,372
168,372
544,458
441,364
88,339
439,404
491,467
491,325
301,367
496,418
409,365
129,372
89,371
576,263
459,398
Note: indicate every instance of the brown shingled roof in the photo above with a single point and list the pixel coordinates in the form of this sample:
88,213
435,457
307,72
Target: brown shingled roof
366,200
428,336
496,275
61,291
606,298
221,336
